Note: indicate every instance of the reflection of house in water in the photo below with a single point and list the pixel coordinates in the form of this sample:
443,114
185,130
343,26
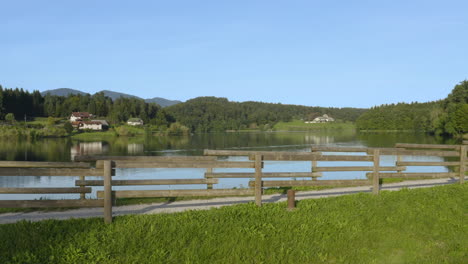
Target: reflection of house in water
135,148
319,140
88,148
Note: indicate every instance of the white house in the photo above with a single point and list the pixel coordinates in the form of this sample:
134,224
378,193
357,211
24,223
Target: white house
321,119
93,124
135,122
78,116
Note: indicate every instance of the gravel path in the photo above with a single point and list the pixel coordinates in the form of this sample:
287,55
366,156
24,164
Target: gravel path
180,206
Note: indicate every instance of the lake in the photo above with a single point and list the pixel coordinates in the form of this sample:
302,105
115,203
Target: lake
65,149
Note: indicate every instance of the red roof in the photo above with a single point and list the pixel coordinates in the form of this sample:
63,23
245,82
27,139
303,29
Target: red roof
81,114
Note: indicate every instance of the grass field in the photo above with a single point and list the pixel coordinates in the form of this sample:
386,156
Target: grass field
408,226
299,125
95,135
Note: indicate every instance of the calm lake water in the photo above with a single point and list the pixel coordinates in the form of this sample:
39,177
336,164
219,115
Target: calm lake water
66,149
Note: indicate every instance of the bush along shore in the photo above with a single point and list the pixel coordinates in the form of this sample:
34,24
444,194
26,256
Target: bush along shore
409,226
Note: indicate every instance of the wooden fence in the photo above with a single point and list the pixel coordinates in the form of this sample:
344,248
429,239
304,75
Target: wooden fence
27,168
106,165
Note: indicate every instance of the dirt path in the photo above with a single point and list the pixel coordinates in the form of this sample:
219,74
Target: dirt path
172,207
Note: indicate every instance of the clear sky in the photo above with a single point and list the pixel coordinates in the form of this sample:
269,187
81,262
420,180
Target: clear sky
316,53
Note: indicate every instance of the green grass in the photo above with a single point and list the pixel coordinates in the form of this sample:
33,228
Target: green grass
299,125
409,226
95,135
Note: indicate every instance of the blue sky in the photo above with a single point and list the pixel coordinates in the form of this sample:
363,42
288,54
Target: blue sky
317,53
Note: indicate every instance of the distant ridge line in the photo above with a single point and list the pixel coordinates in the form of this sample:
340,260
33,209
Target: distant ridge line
111,94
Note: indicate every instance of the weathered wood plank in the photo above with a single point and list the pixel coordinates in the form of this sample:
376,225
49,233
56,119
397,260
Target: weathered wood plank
357,168
404,152
313,156
146,158
147,182
258,179
209,152
221,175
343,158
291,183
376,173
463,160
41,164
199,164
340,149
45,190
410,175
180,193
50,172
427,163
50,203
107,192
209,170
427,146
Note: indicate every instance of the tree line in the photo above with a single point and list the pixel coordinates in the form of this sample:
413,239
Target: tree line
202,114
448,116
22,104
209,114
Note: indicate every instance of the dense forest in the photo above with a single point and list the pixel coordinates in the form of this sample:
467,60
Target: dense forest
25,104
447,116
203,114
211,114
206,114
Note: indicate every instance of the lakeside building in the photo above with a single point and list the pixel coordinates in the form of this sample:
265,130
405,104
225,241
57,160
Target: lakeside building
135,122
92,125
321,119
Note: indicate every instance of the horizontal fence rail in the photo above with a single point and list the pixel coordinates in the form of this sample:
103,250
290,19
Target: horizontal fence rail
50,172
50,203
264,175
44,190
294,183
40,164
178,193
104,167
147,182
427,146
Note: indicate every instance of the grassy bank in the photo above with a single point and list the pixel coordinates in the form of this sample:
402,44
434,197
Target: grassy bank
299,125
409,226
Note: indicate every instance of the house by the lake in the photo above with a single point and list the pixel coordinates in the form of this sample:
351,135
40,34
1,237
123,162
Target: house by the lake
321,119
91,125
80,116
135,122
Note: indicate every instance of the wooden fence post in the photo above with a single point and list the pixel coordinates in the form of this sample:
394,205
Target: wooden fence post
314,165
209,185
291,199
375,178
108,191
258,179
463,160
399,159
82,195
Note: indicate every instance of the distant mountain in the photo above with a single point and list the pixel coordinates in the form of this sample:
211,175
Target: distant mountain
162,102
116,95
62,92
113,95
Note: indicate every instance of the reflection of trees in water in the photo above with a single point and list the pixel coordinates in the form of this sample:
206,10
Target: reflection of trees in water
56,149
63,149
88,148
390,139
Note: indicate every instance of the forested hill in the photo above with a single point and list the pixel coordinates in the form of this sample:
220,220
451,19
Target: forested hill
447,116
203,114
206,114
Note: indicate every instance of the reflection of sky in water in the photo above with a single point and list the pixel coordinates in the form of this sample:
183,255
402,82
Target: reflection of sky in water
62,150
162,173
